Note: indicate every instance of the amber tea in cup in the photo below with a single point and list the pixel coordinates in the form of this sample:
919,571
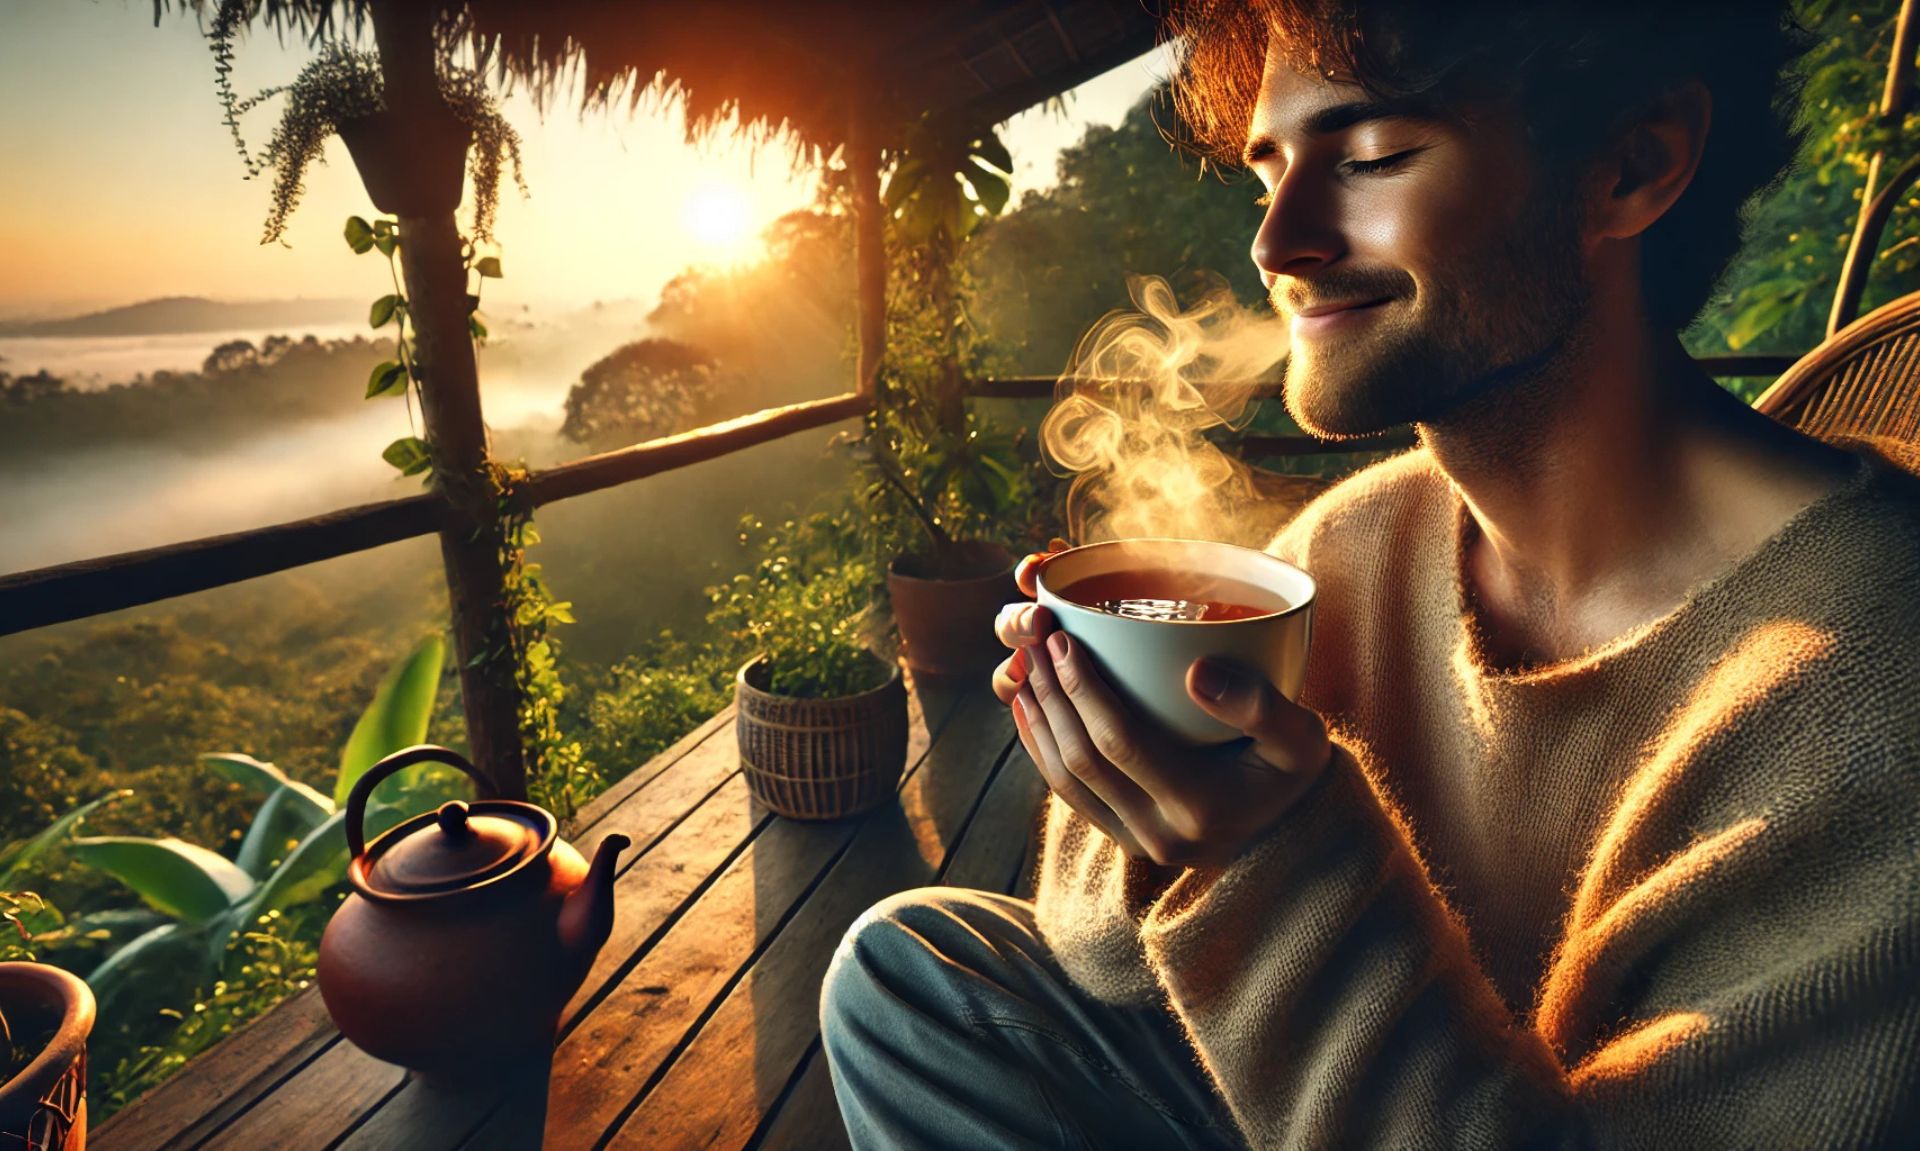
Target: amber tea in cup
1147,608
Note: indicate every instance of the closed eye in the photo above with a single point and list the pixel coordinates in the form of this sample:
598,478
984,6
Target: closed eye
1383,164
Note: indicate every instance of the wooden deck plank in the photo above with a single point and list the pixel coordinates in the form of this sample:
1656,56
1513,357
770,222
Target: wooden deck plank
742,1058
303,1119
185,1109
658,990
809,1119
624,1042
989,857
688,920
623,788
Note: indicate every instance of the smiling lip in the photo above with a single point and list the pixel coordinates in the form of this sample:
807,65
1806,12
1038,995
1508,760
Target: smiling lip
1324,319
1330,309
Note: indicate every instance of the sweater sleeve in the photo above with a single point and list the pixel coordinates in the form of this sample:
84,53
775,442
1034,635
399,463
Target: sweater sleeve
1334,999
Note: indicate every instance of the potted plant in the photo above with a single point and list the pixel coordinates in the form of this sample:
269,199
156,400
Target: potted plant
342,92
821,720
46,1014
942,484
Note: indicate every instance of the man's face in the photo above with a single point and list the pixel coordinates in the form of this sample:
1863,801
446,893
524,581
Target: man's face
1419,260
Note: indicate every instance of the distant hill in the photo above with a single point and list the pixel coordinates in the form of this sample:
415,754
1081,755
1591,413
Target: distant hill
193,314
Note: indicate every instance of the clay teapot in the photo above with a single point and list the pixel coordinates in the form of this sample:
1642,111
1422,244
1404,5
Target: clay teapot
468,930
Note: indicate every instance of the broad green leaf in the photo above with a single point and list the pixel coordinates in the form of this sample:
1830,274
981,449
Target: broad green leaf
396,718
318,863
409,454
16,857
990,186
178,878
382,310
123,972
387,378
488,266
476,327
282,821
264,778
386,242
359,234
990,149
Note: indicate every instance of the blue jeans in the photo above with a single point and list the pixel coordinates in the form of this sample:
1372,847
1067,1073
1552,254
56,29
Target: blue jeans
948,1024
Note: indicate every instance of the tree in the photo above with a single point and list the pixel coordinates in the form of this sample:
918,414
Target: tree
642,391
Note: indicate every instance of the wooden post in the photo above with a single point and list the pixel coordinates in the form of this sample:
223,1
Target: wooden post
869,250
1866,231
436,284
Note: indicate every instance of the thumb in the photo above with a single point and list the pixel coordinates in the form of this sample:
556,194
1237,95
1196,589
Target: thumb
1284,734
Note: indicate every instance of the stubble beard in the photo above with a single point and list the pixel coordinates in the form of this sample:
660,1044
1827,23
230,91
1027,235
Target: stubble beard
1495,322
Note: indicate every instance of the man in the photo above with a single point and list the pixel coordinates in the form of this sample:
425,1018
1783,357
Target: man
1598,820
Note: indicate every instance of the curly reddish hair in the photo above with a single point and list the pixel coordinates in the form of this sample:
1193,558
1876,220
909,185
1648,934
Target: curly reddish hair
1577,71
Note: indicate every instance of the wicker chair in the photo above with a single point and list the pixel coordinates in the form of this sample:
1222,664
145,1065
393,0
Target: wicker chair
1861,382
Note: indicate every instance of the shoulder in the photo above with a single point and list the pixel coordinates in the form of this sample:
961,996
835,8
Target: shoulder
1386,497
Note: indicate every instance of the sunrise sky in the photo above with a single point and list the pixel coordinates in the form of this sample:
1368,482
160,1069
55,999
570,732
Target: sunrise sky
120,183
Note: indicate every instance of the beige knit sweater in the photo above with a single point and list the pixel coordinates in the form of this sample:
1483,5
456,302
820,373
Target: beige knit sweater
1664,894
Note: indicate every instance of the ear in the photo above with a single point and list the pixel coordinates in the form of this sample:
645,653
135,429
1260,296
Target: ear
1653,161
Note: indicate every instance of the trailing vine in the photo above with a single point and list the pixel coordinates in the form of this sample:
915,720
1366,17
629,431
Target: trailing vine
560,775
338,87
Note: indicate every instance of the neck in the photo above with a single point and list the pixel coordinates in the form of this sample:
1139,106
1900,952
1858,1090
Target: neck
1564,468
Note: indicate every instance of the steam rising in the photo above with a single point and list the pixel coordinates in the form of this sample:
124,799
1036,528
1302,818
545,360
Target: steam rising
1131,414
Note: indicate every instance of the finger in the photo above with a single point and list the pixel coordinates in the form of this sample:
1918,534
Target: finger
1008,677
1026,571
1023,624
1076,747
1109,723
1037,738
1285,735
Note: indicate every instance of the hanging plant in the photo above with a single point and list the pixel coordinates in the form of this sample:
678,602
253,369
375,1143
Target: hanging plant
341,93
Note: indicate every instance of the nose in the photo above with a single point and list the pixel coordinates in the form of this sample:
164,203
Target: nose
1297,234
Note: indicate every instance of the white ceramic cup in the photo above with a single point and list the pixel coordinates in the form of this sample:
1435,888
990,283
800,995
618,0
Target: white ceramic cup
1146,660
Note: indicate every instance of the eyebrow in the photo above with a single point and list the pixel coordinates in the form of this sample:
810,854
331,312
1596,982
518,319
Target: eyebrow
1326,121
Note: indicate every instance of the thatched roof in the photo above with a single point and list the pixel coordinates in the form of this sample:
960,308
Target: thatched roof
801,64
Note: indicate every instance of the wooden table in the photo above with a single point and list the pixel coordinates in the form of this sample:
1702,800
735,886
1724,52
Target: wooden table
698,1025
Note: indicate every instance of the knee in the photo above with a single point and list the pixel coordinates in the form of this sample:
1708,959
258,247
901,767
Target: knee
888,947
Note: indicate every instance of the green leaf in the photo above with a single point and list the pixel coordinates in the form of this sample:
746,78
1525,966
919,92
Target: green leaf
382,310
476,328
174,877
990,149
318,863
264,778
282,821
388,378
409,454
16,857
359,234
396,718
158,950
488,266
386,242
990,186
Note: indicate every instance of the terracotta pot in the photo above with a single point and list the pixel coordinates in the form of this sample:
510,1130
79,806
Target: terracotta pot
44,1107
468,930
946,619
412,171
820,758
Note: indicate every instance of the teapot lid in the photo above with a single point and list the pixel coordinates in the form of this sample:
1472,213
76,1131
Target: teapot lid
459,846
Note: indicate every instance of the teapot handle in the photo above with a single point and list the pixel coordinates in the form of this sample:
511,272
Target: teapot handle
399,761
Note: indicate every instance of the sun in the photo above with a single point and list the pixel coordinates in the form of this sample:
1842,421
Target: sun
716,214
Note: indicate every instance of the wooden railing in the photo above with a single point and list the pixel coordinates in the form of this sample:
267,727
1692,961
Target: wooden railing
91,587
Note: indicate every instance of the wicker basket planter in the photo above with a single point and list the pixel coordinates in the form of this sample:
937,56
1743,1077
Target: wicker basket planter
44,1106
820,758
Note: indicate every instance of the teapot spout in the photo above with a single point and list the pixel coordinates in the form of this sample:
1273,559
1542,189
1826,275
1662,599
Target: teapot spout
586,917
